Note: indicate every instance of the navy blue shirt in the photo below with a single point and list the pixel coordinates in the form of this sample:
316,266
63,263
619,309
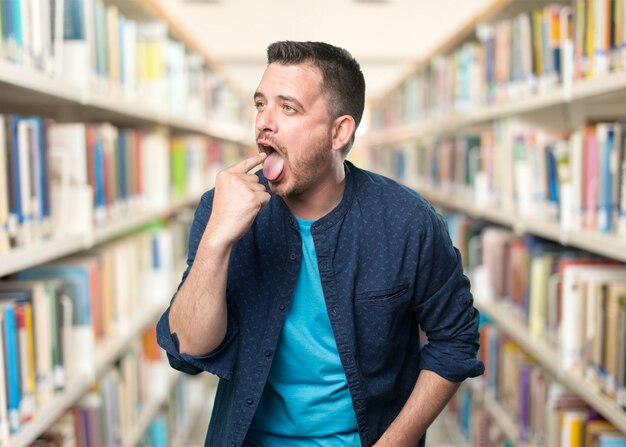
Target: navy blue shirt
388,268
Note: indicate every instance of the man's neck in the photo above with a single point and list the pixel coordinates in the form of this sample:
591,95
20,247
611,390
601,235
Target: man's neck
315,204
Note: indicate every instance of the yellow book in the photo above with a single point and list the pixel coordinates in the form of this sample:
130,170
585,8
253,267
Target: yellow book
589,38
537,42
30,346
613,342
577,431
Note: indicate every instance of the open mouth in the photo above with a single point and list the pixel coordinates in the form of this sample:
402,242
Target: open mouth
266,148
274,163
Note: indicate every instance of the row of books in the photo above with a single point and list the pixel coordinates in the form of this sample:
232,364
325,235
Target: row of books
512,58
517,403
575,179
110,413
96,46
55,316
111,409
66,178
544,413
572,301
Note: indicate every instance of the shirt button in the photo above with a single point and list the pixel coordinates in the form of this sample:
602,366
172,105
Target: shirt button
268,353
282,307
233,444
293,256
333,311
249,401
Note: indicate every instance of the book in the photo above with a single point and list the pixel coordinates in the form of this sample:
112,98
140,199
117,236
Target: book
75,48
576,329
44,297
4,417
76,280
12,365
4,189
24,318
71,197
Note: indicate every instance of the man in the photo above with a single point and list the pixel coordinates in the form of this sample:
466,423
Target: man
307,300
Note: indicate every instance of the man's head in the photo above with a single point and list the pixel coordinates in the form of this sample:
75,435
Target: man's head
342,85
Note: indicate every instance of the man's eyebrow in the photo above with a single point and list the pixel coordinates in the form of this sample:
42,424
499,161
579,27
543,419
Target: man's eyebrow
291,99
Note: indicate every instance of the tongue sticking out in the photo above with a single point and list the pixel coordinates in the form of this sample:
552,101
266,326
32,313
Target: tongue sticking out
273,166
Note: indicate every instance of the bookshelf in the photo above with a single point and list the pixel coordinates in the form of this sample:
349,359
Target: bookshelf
177,125
107,354
550,361
464,126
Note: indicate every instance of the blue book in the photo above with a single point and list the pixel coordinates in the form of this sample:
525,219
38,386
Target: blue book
73,20
43,179
75,278
157,432
12,365
611,441
605,177
100,196
15,32
14,155
553,183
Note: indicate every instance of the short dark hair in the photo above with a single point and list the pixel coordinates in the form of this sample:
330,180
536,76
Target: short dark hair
342,78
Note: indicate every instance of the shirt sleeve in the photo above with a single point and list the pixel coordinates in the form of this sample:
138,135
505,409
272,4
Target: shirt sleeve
445,309
220,361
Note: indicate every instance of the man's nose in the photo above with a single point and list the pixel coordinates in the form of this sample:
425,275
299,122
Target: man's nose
265,120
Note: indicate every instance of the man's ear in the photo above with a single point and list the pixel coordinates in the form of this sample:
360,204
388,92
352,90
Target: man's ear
343,128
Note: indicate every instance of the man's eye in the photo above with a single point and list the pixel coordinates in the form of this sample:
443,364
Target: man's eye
288,108
258,105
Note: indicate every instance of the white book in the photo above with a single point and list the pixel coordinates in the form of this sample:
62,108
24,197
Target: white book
572,217
156,170
70,195
23,141
574,324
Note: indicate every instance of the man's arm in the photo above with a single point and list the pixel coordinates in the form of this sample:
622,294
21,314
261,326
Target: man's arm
198,314
430,395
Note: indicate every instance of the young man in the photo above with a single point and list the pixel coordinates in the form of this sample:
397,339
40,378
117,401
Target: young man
307,300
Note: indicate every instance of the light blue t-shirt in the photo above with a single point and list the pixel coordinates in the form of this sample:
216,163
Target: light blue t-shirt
306,401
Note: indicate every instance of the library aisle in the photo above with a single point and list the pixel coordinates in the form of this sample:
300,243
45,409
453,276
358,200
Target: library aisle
114,121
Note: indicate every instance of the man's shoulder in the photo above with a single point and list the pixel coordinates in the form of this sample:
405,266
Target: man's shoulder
371,186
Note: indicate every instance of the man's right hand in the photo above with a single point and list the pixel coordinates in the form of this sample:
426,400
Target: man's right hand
237,200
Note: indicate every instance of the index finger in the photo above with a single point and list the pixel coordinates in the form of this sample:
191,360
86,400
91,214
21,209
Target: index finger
245,165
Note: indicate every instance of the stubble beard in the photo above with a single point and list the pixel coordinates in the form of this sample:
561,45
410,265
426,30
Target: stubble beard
305,172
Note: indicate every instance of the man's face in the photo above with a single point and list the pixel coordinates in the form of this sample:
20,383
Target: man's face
294,128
